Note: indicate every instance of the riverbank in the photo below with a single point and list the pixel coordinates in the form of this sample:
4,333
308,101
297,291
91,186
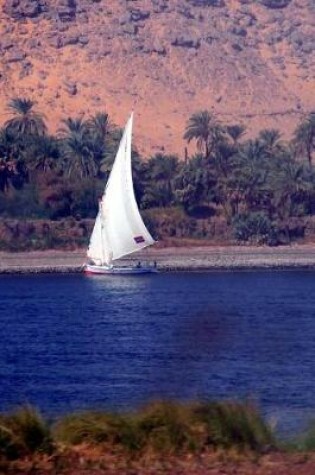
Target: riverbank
169,259
93,461
214,438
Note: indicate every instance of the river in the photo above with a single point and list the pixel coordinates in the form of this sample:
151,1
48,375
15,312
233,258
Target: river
72,342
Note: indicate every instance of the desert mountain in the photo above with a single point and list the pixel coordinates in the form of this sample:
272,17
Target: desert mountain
249,61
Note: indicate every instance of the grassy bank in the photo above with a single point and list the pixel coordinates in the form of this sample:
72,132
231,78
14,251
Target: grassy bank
170,226
167,433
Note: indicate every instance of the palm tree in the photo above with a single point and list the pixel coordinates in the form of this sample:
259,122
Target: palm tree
76,149
223,158
77,125
163,167
6,170
12,164
205,129
194,183
8,143
98,129
235,132
292,185
161,170
25,120
99,125
78,158
270,138
250,173
12,173
304,136
44,154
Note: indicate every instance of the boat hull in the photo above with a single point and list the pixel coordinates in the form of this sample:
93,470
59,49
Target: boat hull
103,270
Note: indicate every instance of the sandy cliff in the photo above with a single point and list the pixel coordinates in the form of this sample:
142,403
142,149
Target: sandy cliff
250,61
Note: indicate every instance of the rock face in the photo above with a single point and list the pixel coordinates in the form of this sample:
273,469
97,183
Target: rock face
276,3
71,88
15,56
186,41
248,61
19,9
207,3
66,9
138,15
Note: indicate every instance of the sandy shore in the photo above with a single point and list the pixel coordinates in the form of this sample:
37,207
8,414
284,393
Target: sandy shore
170,259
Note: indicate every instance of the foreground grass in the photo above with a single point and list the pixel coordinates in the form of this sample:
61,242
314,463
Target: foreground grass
171,428
23,433
161,429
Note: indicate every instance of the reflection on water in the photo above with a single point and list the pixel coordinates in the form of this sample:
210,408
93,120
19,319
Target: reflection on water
73,342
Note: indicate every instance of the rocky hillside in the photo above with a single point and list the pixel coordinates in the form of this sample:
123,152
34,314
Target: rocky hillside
250,61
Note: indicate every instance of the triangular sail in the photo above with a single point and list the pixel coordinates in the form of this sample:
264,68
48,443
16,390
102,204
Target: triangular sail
119,229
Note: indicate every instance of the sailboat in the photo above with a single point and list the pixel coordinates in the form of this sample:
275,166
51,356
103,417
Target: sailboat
119,229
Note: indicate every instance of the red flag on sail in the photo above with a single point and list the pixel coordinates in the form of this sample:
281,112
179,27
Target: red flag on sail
139,239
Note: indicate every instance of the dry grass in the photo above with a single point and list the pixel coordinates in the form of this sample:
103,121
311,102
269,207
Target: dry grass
24,433
161,438
170,428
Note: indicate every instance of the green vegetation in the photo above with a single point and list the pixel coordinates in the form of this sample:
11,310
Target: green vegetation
307,441
161,431
162,427
263,188
23,433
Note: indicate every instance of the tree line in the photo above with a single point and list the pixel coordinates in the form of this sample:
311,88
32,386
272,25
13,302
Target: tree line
256,184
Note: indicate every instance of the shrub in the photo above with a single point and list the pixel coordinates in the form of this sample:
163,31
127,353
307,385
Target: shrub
254,227
22,203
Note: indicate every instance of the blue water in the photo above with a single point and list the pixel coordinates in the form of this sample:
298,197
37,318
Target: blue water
77,342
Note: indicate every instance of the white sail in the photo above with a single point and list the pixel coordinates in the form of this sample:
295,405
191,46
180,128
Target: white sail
119,229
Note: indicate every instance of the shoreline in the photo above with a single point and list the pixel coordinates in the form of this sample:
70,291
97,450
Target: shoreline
170,259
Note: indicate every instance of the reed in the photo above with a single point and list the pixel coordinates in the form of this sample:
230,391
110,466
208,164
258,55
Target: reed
158,428
23,433
304,442
171,427
161,434
167,427
309,438
97,428
234,424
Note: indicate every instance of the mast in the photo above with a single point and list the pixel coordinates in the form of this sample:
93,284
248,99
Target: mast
102,233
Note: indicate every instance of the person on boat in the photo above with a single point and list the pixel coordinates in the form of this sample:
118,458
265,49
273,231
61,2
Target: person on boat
138,265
